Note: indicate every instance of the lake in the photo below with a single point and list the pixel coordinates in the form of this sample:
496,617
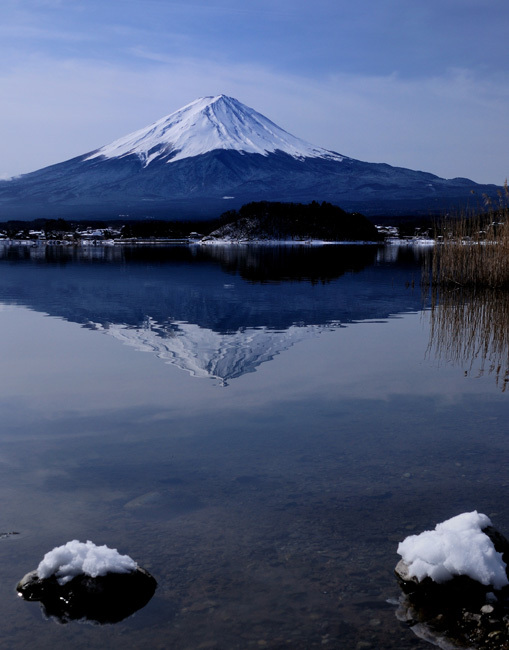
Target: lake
258,427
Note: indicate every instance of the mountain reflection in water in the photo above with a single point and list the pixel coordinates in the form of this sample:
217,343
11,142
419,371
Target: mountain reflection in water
214,311
471,329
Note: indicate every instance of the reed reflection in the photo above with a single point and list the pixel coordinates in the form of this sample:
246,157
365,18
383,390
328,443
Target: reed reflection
471,328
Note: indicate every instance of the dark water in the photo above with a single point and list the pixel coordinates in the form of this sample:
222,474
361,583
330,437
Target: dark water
258,428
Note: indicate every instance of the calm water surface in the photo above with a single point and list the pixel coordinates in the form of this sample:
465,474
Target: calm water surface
257,427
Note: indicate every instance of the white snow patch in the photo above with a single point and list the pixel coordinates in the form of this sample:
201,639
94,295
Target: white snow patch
76,558
456,547
208,124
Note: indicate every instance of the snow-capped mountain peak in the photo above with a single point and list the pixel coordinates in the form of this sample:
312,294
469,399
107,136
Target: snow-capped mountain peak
208,124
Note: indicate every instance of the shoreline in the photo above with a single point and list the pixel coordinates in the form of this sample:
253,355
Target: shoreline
213,242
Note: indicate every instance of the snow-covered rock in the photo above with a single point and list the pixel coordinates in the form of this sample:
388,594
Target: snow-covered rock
75,558
455,584
84,582
456,547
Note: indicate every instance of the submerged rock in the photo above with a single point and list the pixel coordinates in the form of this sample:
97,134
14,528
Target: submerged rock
460,611
476,626
102,600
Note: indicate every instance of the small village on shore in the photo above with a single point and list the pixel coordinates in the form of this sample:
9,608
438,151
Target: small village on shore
109,237
59,232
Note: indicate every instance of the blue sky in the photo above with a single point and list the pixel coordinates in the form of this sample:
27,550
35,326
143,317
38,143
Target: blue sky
415,83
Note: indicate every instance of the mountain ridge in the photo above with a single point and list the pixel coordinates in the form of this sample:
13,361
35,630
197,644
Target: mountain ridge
217,154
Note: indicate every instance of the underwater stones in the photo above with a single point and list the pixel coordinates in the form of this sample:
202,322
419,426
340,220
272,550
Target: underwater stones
85,582
457,625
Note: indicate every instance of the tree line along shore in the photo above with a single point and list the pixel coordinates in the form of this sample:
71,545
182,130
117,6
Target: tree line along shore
259,220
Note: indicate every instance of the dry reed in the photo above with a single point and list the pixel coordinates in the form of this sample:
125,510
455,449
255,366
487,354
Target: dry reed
472,250
468,272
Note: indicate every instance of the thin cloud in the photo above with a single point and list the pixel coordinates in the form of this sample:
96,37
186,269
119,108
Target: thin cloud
34,33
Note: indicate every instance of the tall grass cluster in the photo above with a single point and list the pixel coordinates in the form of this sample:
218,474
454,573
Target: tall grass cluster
472,250
468,271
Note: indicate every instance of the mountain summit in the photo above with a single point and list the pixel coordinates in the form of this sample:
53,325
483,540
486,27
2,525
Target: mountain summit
216,154
210,124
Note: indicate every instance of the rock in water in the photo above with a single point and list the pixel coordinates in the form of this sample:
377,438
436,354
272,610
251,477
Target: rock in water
87,582
467,605
456,547
102,600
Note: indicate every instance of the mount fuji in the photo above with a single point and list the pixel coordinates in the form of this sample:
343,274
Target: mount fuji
216,154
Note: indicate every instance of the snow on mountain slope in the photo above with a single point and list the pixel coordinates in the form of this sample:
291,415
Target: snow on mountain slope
208,124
